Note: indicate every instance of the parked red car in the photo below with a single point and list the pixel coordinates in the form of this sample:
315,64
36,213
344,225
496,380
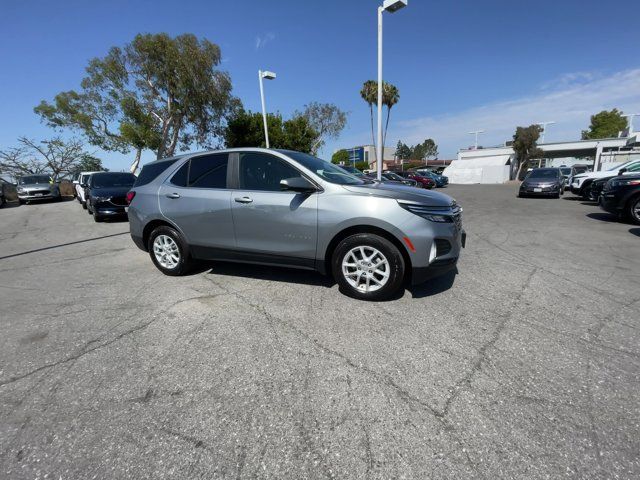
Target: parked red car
424,182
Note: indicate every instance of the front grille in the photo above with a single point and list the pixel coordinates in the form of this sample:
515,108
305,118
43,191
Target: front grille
43,192
442,247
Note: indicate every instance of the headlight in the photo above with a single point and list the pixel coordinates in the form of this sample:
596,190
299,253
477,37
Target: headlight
430,213
21,190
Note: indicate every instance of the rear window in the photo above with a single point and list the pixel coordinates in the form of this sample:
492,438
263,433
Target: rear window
151,171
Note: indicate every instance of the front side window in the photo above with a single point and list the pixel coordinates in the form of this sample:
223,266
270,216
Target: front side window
325,170
261,171
208,171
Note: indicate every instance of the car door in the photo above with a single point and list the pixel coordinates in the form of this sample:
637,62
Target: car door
196,199
271,224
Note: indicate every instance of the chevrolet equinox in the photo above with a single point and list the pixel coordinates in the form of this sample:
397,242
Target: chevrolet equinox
280,207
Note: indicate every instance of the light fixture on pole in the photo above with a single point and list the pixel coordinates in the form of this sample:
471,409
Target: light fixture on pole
544,129
476,133
630,117
390,6
269,76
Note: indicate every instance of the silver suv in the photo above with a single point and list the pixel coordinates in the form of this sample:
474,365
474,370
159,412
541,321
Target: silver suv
280,207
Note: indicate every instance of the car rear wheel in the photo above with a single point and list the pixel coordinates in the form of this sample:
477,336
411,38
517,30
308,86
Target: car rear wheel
368,267
169,251
634,210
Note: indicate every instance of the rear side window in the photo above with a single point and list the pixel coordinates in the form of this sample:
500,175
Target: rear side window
179,178
150,172
208,171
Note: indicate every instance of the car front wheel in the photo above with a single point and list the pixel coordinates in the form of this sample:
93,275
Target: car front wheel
368,267
169,251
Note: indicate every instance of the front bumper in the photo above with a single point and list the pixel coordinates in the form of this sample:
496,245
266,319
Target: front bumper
108,209
28,197
544,191
609,202
440,266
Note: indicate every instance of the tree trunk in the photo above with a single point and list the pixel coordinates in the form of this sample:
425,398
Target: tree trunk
136,162
174,139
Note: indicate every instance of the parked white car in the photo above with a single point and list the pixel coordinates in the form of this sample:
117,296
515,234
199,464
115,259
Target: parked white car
79,185
580,183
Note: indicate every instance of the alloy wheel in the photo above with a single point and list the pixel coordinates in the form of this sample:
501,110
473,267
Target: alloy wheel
365,268
166,251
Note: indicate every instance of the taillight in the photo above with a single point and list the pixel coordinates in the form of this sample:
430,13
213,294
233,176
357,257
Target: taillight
130,196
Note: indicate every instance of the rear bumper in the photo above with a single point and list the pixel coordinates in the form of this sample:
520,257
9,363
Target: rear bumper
138,241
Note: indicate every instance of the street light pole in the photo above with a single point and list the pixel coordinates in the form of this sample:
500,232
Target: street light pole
269,76
390,6
630,117
476,132
544,129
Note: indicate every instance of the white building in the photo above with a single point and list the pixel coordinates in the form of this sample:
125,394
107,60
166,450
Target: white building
496,164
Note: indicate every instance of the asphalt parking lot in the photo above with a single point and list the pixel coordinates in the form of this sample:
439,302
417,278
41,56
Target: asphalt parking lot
526,364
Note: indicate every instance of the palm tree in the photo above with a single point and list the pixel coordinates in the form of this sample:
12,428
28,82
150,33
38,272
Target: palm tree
390,96
369,94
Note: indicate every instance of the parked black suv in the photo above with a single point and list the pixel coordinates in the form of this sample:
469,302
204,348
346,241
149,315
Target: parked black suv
621,196
106,194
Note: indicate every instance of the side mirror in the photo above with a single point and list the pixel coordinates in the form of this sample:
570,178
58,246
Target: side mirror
297,184
622,171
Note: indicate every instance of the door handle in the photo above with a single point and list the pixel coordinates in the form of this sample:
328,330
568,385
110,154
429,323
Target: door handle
243,199
173,195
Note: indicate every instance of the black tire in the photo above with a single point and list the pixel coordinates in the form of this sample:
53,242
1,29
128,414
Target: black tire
89,209
184,263
634,210
557,195
2,201
390,253
97,218
84,204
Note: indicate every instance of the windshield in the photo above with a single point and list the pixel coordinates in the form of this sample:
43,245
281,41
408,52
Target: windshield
393,176
618,167
34,179
565,171
113,180
325,170
544,173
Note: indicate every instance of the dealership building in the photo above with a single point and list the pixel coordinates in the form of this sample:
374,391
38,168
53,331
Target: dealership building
367,153
497,165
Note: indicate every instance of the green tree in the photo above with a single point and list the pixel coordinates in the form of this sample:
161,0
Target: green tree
341,156
246,129
326,119
89,163
525,146
362,165
403,151
425,150
605,124
158,93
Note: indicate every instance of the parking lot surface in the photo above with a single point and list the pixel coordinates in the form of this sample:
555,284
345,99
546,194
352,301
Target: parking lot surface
526,364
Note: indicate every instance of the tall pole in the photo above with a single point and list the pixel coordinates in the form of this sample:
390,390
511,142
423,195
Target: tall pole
379,149
264,109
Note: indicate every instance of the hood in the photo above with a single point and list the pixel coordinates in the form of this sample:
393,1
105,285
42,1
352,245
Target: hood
110,191
600,174
403,192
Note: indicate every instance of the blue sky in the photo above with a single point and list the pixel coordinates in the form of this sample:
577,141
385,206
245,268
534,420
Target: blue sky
459,65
